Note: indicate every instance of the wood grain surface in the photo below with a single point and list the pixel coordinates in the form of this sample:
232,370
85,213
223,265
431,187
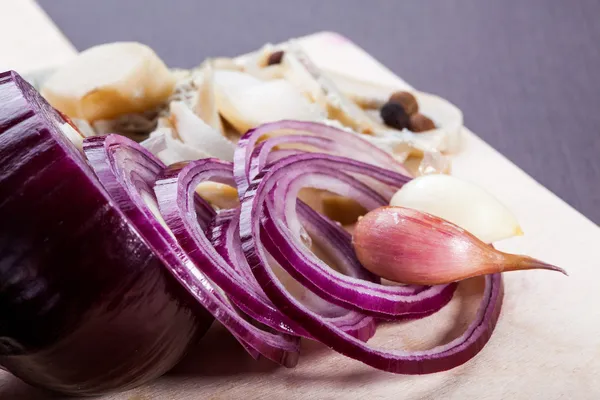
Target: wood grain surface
525,73
545,345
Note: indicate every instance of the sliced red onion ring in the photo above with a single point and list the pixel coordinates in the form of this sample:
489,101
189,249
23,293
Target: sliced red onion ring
277,188
128,172
224,267
263,232
225,237
322,138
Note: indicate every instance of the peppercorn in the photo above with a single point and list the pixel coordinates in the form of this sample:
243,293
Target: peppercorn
420,123
406,100
394,116
275,58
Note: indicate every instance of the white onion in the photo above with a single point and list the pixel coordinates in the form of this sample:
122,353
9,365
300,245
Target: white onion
194,132
249,106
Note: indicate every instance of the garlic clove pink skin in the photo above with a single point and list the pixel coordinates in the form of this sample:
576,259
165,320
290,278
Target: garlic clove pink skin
408,246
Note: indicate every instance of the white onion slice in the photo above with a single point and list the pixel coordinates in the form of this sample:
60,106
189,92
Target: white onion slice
250,106
174,149
71,133
194,132
447,118
226,80
206,104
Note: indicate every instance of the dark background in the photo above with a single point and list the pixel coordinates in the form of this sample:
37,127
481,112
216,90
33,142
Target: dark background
525,73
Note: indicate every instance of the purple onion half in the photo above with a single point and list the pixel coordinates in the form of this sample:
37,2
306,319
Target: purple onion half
86,306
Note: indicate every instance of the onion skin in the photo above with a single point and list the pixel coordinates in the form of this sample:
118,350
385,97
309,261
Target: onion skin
85,305
412,247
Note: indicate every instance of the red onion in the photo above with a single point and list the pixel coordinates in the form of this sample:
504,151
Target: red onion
264,231
130,171
254,148
226,239
279,187
86,306
231,276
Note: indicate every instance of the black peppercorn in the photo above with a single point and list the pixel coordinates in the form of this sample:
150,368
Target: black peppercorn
420,123
406,100
394,115
275,58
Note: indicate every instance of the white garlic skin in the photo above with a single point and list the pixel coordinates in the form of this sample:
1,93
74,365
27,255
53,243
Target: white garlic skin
462,203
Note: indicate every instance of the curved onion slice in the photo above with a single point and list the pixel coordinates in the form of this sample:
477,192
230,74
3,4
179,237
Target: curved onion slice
226,80
302,72
248,107
112,158
169,148
448,120
264,237
249,159
86,306
230,275
460,202
226,239
206,103
196,133
353,290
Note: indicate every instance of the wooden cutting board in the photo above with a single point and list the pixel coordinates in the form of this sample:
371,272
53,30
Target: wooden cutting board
546,344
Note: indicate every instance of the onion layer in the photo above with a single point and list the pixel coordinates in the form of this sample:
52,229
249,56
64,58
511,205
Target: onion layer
278,189
129,171
249,159
221,260
86,306
262,225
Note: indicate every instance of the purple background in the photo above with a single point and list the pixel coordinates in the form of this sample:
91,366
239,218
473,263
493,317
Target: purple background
525,73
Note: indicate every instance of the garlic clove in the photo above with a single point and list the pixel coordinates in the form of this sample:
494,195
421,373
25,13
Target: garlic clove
109,80
196,133
460,202
247,107
412,247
